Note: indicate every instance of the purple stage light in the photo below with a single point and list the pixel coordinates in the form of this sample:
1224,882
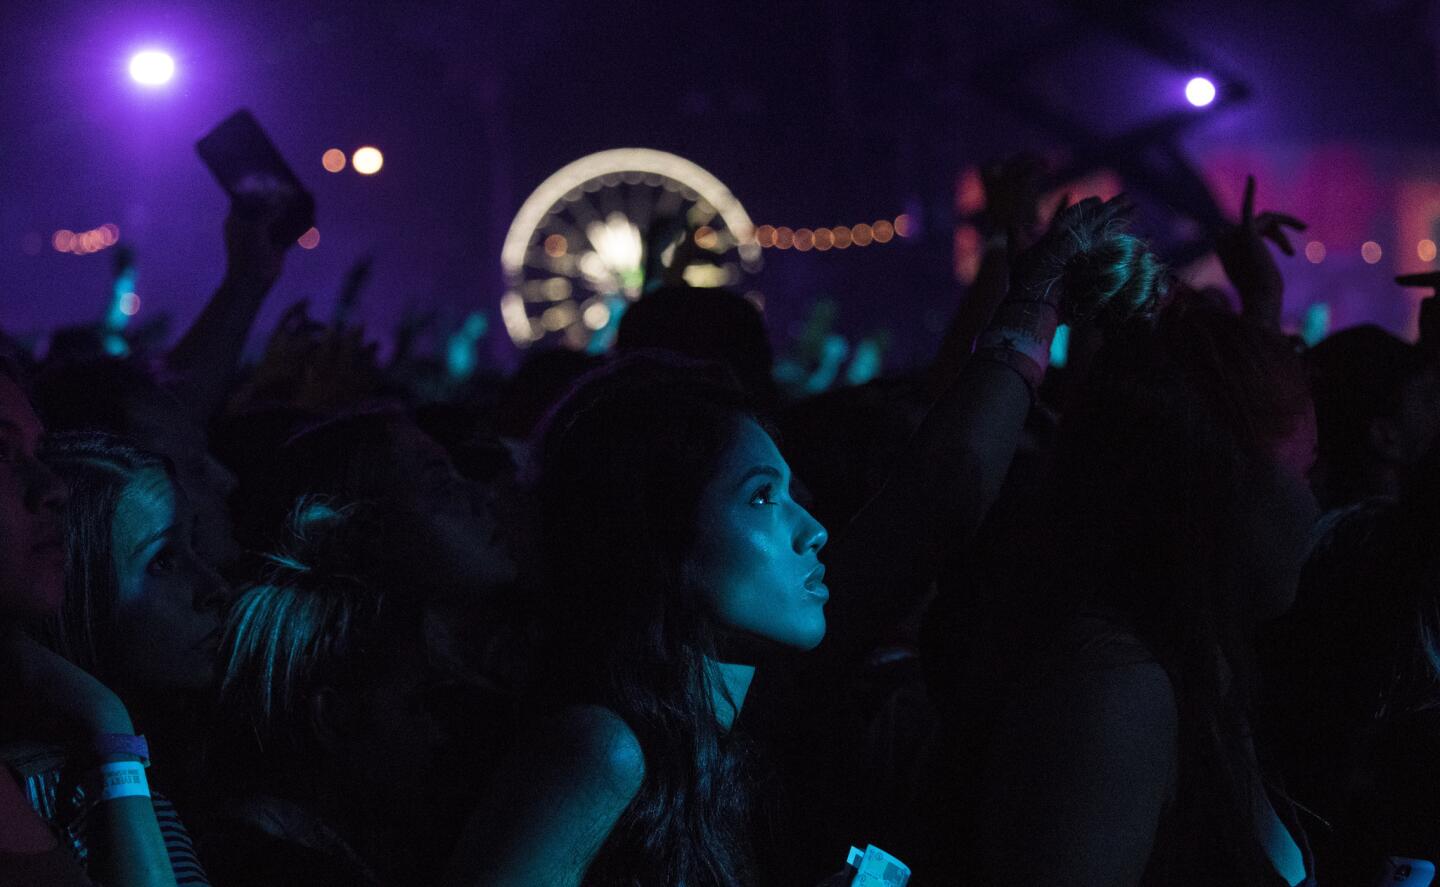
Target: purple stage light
1200,92
152,67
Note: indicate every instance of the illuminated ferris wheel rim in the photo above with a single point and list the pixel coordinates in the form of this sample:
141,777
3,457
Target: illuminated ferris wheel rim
615,161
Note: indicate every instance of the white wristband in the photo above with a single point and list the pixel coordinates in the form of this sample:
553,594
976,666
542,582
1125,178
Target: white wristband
122,779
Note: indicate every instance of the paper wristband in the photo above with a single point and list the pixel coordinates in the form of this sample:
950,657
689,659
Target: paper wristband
124,779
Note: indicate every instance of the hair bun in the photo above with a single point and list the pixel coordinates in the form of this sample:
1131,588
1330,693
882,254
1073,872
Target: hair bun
1114,281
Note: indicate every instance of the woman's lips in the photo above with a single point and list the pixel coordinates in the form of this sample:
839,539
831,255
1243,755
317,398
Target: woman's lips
815,584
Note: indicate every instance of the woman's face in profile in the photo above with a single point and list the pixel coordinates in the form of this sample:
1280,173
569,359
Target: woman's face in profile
459,516
32,537
169,600
756,554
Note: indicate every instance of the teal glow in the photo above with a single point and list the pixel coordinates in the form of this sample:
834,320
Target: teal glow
1060,347
460,354
865,365
115,318
604,337
1316,323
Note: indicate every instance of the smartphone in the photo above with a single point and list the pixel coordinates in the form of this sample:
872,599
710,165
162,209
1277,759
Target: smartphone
1404,872
250,169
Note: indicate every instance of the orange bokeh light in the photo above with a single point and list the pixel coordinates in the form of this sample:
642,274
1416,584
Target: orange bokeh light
333,160
310,239
884,230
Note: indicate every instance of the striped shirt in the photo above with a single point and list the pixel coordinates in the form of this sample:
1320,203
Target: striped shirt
55,793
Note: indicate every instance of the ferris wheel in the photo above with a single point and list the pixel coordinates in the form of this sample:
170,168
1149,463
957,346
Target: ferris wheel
575,254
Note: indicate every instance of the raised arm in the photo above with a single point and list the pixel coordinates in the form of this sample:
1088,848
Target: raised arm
552,804
206,356
942,487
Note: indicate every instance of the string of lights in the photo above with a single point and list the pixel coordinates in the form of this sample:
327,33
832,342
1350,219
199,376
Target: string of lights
838,237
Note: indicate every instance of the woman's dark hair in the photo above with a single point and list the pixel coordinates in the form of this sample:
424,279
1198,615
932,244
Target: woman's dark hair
622,464
97,468
1156,467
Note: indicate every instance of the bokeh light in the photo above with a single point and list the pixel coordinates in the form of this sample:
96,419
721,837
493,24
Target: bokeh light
152,67
804,239
862,235
884,231
904,225
595,315
333,160
706,238
556,246
824,239
1425,249
765,236
1199,92
367,160
62,239
842,236
784,238
310,239
1370,251
129,304
1315,252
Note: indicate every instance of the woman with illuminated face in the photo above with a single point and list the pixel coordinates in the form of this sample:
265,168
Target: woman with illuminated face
43,694
677,558
142,612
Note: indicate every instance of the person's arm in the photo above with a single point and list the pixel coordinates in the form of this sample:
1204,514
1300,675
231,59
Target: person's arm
1077,777
973,315
127,849
206,356
553,803
952,470
1012,195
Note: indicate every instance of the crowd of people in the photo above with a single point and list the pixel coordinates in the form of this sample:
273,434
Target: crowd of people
1168,615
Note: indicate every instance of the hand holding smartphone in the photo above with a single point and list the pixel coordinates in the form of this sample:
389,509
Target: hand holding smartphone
259,182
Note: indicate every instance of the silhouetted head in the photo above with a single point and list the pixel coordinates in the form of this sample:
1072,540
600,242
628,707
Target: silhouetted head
1377,406
32,540
705,324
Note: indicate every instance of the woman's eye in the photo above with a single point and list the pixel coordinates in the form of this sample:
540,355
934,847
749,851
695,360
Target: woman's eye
162,564
764,496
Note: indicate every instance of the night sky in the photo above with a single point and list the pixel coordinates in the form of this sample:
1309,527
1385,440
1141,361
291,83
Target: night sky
812,113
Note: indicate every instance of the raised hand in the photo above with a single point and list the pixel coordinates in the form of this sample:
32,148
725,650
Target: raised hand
1074,229
251,255
1012,195
1248,262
